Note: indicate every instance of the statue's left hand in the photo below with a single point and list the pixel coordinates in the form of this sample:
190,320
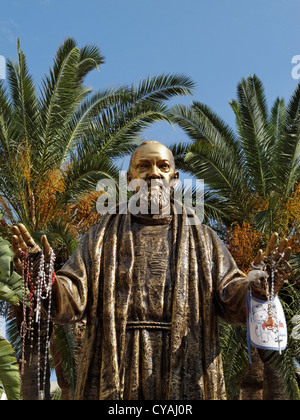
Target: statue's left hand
276,258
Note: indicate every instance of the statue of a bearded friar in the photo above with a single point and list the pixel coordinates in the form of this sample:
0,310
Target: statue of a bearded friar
152,287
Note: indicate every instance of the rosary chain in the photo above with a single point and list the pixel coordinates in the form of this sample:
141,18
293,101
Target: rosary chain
35,292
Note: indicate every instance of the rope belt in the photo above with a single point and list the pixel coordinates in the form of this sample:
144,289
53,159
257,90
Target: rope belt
152,325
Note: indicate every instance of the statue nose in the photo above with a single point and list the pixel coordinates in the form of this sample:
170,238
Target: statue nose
154,172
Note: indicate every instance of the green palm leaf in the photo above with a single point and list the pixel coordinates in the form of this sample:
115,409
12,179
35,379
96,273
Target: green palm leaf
62,94
215,154
252,126
235,356
83,123
10,281
163,87
25,117
9,371
288,146
64,338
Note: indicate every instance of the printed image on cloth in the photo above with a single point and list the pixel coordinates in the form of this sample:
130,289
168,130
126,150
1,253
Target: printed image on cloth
260,333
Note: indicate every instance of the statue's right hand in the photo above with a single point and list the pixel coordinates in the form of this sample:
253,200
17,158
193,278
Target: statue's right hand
22,241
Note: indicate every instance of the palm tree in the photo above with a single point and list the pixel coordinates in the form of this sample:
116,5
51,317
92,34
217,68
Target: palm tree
65,139
58,141
252,177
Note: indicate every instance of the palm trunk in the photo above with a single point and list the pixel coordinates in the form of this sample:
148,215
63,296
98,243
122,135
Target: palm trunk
251,387
262,381
274,388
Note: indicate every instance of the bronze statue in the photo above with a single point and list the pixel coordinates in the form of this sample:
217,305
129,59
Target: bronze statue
152,288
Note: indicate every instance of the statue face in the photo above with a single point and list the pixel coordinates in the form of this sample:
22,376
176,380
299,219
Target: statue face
152,161
152,173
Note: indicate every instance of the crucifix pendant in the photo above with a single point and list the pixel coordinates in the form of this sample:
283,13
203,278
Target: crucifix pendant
23,362
269,323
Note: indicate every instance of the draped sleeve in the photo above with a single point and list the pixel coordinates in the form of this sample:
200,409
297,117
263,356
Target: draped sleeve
71,288
230,283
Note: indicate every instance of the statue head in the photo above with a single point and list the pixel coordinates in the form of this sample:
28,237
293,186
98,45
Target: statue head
152,160
152,165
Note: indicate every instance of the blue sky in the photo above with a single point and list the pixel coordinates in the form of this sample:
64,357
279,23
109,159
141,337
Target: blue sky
215,42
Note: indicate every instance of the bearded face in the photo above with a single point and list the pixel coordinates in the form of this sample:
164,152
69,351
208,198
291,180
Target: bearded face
152,196
152,177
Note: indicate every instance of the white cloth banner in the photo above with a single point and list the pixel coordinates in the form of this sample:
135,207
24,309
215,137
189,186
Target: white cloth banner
260,333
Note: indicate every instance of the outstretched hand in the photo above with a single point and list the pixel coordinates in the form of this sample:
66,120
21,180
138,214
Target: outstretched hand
273,258
23,242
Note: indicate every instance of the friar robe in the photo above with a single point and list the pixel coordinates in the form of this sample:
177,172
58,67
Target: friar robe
101,281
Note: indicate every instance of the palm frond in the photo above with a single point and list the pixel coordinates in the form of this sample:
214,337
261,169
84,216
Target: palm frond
62,94
254,133
253,130
218,167
214,128
87,168
59,230
277,120
12,332
217,209
288,147
10,281
24,99
5,124
9,371
122,124
186,118
215,154
58,109
163,87
235,356
63,337
90,58
83,124
179,150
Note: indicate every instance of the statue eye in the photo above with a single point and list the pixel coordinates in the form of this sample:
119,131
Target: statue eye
142,165
164,166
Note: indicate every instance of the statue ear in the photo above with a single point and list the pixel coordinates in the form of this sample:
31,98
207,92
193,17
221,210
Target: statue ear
175,179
